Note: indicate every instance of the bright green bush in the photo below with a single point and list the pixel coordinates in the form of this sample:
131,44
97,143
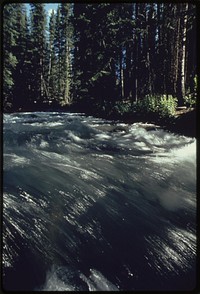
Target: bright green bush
167,105
191,96
164,106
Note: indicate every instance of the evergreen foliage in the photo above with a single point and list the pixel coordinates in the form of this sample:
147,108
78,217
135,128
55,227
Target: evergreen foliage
38,43
164,106
101,58
21,52
52,67
9,59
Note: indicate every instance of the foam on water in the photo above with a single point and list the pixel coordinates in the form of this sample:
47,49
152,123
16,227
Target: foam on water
97,282
12,160
187,152
64,279
93,205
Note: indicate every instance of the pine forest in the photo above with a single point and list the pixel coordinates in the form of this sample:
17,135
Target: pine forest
102,59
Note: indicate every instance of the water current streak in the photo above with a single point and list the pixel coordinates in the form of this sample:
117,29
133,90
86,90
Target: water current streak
90,204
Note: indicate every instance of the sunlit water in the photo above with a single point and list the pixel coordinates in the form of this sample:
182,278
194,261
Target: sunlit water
90,204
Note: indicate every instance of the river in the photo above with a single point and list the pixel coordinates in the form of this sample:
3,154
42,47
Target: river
91,204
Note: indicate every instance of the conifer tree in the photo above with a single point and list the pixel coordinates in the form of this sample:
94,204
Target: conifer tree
94,67
57,48
65,52
38,43
9,59
21,72
52,59
97,54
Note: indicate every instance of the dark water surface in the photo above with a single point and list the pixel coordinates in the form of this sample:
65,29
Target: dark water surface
89,204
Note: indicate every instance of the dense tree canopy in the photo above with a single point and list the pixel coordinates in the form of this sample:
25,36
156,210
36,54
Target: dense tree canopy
96,56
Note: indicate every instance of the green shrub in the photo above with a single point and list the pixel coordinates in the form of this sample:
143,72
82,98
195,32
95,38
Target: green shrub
164,106
122,107
191,97
147,104
167,105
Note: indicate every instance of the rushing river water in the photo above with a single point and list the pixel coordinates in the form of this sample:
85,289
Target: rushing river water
90,204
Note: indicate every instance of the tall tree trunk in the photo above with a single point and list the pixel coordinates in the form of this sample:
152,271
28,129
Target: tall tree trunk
128,78
121,74
177,48
41,82
67,80
183,59
137,42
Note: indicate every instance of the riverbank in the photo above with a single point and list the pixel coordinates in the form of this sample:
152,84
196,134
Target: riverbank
183,123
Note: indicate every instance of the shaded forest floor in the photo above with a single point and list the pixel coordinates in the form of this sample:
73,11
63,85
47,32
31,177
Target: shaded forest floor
184,122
